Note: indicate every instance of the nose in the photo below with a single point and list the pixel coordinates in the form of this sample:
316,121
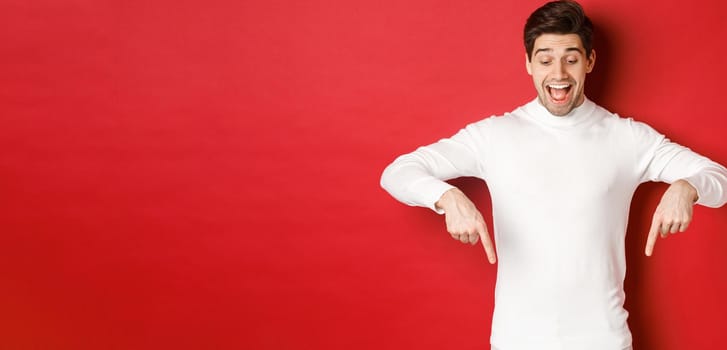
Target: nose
559,71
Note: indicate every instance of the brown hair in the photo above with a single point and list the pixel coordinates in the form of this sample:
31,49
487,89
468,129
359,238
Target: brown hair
558,17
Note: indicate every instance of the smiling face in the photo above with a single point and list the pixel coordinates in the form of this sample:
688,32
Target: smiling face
559,66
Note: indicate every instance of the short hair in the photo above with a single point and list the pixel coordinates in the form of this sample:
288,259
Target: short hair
558,17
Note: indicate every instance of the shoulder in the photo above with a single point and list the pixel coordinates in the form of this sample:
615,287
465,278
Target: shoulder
481,132
627,126
506,120
494,121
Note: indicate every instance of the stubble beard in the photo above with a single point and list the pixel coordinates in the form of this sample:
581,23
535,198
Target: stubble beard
561,110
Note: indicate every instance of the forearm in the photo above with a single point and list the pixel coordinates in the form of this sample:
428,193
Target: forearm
708,178
418,178
672,162
710,183
412,182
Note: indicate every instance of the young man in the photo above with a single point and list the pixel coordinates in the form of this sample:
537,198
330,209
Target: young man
561,172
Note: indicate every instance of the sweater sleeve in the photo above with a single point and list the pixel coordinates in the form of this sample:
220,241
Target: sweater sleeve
418,178
668,162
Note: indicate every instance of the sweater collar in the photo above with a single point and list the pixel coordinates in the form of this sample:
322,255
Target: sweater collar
578,115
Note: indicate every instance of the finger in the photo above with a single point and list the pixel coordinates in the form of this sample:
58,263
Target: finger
473,238
674,228
487,243
664,229
651,240
464,238
683,226
459,237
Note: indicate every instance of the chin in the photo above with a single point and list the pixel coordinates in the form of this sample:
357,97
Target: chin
556,109
559,111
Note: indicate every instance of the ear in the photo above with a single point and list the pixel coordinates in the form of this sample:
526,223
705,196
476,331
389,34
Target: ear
528,64
591,61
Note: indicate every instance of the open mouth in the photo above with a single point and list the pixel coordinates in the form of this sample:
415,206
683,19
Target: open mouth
559,92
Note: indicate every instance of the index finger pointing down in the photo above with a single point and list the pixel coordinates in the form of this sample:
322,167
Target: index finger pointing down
653,235
487,243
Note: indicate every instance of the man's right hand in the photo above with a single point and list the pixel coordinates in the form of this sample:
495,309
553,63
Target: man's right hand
464,221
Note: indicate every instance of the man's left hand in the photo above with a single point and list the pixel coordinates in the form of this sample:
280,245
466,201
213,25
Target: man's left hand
673,214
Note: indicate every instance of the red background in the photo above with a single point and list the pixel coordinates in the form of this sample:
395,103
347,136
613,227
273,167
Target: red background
204,174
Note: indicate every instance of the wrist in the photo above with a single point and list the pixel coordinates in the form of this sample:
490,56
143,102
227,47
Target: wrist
446,198
690,191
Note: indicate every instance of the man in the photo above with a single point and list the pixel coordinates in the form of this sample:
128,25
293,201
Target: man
561,172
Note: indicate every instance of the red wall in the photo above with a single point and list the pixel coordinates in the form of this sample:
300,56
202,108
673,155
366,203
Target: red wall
204,174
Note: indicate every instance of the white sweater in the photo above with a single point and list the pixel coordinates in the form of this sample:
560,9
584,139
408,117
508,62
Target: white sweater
561,189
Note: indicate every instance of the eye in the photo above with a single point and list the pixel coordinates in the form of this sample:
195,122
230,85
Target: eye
572,61
545,63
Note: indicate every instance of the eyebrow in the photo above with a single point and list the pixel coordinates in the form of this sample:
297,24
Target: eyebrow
551,50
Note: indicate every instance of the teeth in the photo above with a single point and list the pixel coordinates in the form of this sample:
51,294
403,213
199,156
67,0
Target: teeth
555,86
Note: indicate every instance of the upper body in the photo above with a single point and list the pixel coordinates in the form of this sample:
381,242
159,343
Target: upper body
561,189
561,172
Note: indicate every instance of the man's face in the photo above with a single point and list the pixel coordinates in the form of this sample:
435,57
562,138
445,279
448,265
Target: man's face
559,66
